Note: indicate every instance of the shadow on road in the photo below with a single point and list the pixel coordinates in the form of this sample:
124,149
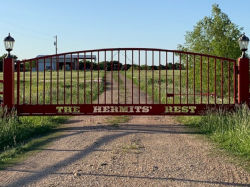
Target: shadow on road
122,130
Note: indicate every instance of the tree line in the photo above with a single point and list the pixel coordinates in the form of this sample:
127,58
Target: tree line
115,65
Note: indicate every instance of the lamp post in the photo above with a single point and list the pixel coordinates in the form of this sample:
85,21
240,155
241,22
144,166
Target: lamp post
243,43
8,75
243,71
9,44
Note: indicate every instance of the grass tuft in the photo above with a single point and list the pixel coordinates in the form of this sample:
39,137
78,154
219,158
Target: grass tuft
231,130
115,121
17,133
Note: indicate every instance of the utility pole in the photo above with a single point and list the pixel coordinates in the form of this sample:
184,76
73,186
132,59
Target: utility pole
55,44
57,64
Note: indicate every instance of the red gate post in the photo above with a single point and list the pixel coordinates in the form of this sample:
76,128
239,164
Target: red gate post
8,86
243,80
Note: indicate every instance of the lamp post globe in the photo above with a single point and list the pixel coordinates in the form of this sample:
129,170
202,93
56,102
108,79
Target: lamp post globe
9,44
243,43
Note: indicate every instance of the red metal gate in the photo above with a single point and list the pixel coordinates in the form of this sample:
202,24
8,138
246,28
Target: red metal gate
125,81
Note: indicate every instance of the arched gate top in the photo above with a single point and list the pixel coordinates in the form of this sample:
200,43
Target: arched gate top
130,49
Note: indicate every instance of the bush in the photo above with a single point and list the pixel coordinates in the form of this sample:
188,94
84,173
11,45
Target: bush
15,131
230,129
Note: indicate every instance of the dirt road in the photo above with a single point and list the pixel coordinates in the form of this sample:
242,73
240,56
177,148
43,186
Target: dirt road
145,151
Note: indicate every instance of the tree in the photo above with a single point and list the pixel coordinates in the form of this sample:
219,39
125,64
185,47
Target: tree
214,35
2,58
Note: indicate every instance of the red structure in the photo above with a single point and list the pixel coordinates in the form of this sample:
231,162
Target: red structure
243,81
8,83
126,81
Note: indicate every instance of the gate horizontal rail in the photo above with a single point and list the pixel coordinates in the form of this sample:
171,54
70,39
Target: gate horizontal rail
123,109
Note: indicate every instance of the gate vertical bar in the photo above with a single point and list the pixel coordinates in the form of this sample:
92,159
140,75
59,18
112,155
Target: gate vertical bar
132,76
222,82
166,77
215,95
194,79
229,87
24,82
208,80
201,78
98,75
84,74
50,80
139,59
159,77
91,78
111,76
153,98
234,82
173,76
180,78
30,79
44,67
78,64
37,81
125,76
146,76
105,77
187,77
71,82
57,79
118,76
64,96
18,82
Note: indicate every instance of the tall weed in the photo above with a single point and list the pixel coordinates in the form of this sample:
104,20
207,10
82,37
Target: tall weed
230,129
17,130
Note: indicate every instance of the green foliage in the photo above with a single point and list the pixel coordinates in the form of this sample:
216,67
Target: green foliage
116,120
214,35
51,87
3,57
108,65
15,131
231,130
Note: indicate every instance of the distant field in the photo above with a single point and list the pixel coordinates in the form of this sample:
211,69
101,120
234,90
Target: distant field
175,82
31,84
153,82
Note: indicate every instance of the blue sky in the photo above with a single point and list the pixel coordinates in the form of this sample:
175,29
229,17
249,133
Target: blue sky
92,24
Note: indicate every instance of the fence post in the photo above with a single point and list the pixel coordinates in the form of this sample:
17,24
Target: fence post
243,80
8,85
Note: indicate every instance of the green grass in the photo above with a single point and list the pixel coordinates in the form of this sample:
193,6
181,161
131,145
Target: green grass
34,85
18,135
175,82
230,129
19,152
116,120
78,88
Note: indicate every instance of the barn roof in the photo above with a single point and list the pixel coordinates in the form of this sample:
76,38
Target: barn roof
73,56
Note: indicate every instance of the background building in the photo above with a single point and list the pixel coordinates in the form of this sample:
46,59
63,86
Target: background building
50,63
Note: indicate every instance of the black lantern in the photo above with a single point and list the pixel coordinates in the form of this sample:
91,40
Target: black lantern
9,44
243,42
